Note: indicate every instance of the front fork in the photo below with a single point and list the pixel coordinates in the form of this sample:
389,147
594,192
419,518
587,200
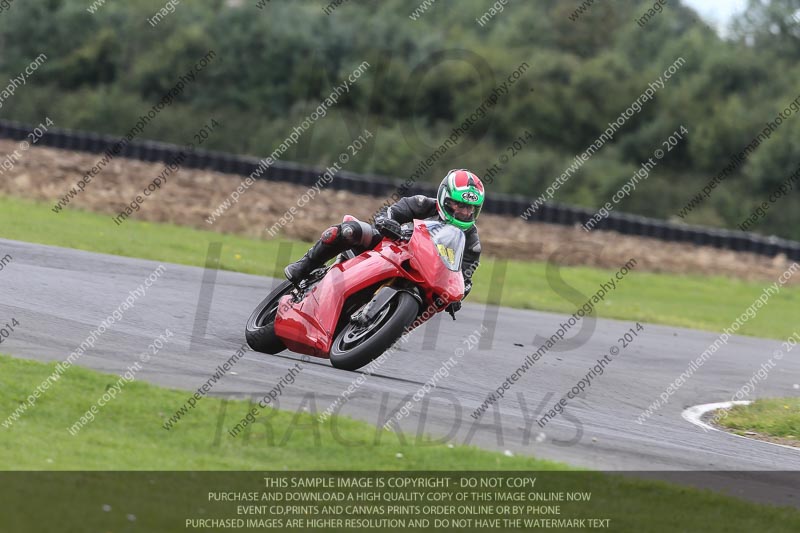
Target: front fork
382,297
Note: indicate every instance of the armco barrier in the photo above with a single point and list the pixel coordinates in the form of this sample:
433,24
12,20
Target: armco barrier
499,204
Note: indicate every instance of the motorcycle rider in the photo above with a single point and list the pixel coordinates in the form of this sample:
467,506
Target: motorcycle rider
458,202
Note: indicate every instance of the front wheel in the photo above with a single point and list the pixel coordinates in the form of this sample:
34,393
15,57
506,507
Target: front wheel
260,329
356,345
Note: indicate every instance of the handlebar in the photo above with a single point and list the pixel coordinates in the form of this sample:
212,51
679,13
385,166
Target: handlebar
406,231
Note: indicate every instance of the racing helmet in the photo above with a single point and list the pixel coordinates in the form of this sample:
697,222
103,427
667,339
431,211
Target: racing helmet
460,198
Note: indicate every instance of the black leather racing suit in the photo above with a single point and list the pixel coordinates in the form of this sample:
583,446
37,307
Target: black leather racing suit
360,236
422,207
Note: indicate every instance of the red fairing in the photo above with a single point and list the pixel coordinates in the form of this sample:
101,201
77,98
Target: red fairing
435,278
308,326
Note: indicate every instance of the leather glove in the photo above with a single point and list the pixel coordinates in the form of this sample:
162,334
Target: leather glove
388,227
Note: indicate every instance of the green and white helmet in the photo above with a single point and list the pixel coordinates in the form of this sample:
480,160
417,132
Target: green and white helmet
460,198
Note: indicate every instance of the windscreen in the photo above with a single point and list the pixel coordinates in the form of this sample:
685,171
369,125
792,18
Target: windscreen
449,241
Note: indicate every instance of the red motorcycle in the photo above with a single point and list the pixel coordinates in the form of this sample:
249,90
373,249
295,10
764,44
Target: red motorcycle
354,310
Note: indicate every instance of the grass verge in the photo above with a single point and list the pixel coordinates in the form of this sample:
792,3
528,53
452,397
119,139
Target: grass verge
709,303
773,417
127,434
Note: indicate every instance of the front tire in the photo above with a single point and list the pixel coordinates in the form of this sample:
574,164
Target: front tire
355,346
260,329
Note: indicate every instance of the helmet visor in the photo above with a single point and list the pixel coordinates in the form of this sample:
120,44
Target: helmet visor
460,210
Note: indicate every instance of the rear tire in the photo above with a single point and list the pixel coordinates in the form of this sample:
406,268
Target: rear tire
260,329
388,326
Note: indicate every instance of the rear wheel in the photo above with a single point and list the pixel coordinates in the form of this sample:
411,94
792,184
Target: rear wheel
355,345
260,329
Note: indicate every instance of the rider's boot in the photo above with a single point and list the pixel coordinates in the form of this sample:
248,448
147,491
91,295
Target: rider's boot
314,258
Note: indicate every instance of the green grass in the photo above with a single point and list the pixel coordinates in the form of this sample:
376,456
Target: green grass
698,302
701,302
127,434
777,417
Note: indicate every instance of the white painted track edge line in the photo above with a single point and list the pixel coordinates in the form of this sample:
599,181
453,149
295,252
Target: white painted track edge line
695,413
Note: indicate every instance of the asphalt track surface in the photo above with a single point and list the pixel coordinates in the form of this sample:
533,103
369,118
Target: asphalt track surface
59,295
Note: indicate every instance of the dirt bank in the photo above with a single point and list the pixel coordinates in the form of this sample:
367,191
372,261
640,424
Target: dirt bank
190,196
